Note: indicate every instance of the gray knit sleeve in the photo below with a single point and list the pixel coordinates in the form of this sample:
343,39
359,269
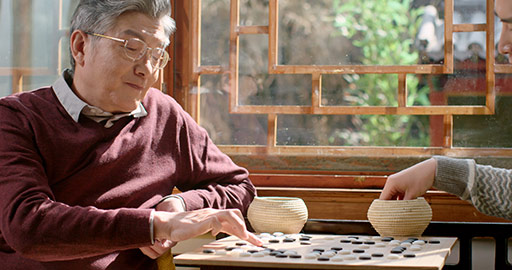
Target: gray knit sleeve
489,189
455,175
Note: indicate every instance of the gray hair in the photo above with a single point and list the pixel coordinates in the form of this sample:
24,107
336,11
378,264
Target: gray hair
101,15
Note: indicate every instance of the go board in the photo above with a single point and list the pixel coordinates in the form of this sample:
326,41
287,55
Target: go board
315,251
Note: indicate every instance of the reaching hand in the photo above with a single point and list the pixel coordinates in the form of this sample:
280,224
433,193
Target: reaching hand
158,249
185,225
410,183
162,246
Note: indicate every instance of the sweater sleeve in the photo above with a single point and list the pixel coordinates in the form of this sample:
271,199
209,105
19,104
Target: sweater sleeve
35,225
214,180
489,189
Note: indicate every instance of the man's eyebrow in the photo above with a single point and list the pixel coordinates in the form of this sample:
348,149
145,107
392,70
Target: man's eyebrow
507,20
141,37
133,33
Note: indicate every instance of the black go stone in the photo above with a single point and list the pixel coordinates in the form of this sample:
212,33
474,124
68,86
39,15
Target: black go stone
318,250
208,251
295,256
305,243
377,255
252,251
274,241
365,258
357,242
409,255
345,241
275,253
241,244
323,258
281,255
434,242
395,250
288,240
358,250
229,248
387,239
369,242
304,238
337,248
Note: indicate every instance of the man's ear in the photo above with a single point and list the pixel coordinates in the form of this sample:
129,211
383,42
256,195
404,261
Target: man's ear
77,41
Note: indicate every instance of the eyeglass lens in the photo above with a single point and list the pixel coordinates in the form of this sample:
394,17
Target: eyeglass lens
136,49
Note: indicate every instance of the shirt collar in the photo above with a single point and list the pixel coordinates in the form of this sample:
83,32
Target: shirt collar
74,105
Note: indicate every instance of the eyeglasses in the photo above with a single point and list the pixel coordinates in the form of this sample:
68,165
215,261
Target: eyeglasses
135,49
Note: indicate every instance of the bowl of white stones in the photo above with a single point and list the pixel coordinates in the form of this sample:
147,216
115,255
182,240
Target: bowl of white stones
400,218
277,214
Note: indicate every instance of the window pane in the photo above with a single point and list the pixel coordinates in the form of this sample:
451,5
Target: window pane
223,127
257,87
486,130
29,46
353,130
341,32
359,90
215,32
253,12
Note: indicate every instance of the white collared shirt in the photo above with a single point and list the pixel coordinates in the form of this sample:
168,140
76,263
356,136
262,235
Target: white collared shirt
74,106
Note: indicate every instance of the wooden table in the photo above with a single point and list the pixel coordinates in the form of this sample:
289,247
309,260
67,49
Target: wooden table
430,256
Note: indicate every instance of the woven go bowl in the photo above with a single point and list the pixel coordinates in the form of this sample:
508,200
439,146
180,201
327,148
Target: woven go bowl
277,214
400,218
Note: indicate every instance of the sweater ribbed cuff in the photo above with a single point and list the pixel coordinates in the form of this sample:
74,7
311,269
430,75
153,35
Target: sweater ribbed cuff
455,176
174,196
151,227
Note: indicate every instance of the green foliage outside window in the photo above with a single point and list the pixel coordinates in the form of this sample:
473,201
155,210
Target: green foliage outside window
384,33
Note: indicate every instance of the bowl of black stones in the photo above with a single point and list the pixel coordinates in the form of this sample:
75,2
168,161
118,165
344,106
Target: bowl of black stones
400,218
277,214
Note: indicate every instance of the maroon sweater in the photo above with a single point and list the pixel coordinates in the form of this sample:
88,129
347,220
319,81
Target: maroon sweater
79,195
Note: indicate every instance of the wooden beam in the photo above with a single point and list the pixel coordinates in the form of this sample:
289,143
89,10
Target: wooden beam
350,110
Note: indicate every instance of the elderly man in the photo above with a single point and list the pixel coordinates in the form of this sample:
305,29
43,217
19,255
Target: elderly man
88,165
488,188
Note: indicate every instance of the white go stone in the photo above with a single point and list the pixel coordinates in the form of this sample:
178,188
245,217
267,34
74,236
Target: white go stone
393,257
311,255
380,245
278,234
258,254
364,247
419,242
245,254
344,252
415,247
394,243
329,254
265,235
337,259
290,252
220,252
350,257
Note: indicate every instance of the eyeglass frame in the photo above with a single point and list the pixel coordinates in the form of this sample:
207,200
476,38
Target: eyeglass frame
125,42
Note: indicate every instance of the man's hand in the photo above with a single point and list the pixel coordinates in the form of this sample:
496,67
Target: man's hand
161,246
182,226
410,183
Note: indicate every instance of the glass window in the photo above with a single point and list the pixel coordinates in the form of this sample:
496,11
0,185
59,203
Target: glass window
34,45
